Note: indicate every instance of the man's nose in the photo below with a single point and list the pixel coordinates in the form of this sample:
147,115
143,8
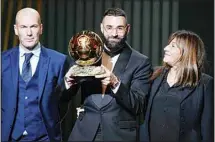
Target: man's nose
29,32
114,33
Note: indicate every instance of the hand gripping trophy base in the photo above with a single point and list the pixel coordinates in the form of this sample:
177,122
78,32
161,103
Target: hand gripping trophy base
86,73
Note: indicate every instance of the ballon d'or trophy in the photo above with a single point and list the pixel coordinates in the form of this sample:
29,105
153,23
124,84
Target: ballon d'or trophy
86,50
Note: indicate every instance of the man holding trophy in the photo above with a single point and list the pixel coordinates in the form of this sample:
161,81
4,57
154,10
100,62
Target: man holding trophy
114,81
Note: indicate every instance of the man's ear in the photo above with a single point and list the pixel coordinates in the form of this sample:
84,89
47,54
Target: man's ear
128,28
15,29
41,28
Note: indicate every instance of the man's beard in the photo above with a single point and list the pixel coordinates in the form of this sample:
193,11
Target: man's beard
115,46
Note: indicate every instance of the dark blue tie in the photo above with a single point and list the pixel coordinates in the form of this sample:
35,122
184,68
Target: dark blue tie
26,68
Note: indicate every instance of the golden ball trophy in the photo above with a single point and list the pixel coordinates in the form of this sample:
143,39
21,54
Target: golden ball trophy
86,50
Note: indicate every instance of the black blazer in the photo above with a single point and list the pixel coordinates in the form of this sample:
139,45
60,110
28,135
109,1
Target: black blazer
116,112
196,112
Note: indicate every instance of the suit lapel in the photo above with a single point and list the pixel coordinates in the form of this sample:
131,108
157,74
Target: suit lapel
43,70
156,85
14,61
99,101
106,100
96,99
118,70
122,61
186,92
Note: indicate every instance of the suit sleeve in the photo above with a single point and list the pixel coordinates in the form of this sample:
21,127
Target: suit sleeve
208,113
133,97
64,68
65,95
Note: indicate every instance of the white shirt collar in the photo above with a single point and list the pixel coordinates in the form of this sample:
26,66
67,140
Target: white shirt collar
36,51
115,58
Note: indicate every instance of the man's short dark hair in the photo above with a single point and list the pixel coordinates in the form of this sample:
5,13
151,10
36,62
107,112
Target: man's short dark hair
115,12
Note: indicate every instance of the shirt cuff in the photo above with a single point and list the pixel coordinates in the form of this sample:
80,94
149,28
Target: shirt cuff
67,86
116,87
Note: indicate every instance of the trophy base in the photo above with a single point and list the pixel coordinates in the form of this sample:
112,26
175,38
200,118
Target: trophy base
80,79
86,73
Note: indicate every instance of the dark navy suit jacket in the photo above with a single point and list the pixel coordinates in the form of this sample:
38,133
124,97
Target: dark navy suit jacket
51,72
117,113
196,111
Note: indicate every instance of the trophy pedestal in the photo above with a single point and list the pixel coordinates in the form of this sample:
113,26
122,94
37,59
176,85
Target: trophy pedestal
86,73
80,79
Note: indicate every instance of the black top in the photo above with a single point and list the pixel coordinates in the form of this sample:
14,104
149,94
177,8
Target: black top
165,113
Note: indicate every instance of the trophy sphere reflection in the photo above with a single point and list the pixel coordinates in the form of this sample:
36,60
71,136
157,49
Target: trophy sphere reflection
86,49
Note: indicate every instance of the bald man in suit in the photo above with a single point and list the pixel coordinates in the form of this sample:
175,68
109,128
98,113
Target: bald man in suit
29,76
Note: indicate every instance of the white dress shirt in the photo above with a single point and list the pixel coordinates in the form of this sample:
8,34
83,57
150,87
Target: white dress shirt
34,59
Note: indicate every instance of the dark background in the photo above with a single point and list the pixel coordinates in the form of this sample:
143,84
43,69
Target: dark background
198,16
151,21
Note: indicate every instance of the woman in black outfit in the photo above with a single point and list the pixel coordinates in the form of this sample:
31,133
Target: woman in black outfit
180,105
